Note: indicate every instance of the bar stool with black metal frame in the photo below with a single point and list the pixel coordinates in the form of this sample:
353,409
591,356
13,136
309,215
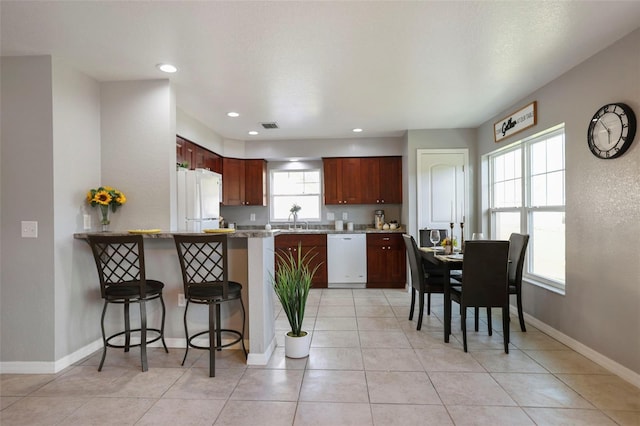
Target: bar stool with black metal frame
121,270
205,274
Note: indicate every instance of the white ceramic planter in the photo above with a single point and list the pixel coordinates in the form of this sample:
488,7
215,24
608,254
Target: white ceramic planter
297,347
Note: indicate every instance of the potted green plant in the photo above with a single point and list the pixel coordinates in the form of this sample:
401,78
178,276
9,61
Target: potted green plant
291,283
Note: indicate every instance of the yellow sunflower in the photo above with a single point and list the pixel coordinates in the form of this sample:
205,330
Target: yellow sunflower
103,197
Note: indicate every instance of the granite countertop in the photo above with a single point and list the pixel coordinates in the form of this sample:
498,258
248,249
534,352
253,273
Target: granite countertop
252,232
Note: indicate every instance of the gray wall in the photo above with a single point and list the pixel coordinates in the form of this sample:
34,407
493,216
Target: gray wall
27,264
601,305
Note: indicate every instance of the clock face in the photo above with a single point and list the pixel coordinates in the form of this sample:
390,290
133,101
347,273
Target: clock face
611,130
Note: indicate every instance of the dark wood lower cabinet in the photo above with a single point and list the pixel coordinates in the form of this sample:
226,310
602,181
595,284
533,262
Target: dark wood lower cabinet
386,261
314,243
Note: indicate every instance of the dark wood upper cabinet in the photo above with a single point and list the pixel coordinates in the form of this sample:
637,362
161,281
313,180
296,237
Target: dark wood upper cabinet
342,181
196,156
244,182
366,180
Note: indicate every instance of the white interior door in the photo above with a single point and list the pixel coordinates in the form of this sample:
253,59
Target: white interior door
441,186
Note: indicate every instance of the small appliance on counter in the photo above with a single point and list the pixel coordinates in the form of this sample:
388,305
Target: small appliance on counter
378,219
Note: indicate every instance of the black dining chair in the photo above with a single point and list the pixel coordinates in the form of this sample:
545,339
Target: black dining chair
121,271
425,279
205,275
517,250
484,282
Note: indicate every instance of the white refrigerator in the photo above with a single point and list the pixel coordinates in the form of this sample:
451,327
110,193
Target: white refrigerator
199,197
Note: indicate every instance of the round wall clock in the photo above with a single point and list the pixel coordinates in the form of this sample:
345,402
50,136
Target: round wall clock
611,130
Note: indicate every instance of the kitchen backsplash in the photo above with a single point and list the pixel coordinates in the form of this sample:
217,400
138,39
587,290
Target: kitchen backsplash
361,215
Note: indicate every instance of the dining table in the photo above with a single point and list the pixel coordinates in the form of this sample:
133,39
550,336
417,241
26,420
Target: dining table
448,263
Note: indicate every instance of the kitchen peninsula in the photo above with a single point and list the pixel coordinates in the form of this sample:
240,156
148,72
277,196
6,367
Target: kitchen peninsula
251,262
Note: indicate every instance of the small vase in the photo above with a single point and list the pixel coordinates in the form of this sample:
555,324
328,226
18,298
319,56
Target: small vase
103,211
297,347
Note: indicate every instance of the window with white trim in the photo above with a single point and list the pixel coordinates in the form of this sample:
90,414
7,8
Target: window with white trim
527,195
301,187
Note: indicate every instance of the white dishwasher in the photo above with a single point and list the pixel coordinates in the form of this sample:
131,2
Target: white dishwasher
347,260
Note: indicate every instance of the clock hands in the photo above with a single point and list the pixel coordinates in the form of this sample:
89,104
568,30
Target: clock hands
607,129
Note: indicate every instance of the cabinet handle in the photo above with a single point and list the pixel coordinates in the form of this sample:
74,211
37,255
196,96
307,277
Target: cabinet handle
386,238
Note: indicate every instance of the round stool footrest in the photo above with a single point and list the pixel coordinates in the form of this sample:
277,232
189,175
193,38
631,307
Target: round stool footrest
133,345
224,330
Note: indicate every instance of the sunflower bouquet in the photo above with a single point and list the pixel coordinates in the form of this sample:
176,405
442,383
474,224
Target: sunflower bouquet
105,197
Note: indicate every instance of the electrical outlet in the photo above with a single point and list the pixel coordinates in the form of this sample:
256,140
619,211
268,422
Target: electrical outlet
345,216
331,216
29,229
181,300
252,217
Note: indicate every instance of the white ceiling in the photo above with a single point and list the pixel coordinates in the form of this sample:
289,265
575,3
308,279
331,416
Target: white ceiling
320,69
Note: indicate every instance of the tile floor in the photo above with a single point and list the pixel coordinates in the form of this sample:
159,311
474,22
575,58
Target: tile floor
368,366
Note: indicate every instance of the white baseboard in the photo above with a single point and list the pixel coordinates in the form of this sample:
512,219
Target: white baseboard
44,367
262,358
607,363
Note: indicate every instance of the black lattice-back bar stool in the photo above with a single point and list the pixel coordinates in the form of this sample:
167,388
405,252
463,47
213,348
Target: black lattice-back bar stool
205,274
121,270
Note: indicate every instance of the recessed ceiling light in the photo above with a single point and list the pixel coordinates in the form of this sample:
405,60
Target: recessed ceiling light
293,159
167,68
357,130
253,133
233,114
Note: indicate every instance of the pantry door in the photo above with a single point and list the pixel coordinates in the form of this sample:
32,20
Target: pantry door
441,184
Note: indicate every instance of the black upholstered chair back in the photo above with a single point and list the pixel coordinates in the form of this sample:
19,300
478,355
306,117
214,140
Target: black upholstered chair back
484,276
120,262
203,261
517,250
415,262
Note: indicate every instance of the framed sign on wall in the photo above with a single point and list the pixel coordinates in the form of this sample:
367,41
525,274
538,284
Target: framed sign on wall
518,121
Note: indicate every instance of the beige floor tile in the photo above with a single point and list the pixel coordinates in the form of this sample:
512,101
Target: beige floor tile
40,410
384,339
391,360
604,391
335,359
371,301
410,415
6,401
481,341
151,384
367,292
336,323
268,385
566,362
401,387
488,416
429,323
377,324
403,302
514,362
568,416
426,339
336,311
156,358
383,311
333,414
85,381
449,359
334,386
624,418
540,390
469,389
110,411
23,384
336,301
251,413
196,384
278,360
335,339
226,358
535,340
341,293
171,412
